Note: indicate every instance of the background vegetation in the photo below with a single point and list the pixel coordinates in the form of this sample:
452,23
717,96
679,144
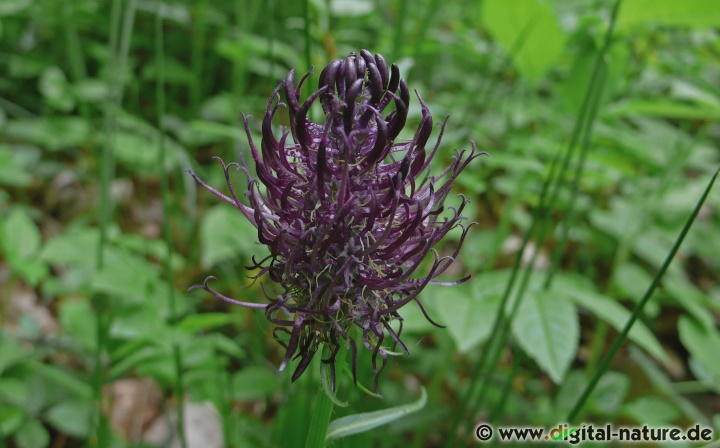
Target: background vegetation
103,105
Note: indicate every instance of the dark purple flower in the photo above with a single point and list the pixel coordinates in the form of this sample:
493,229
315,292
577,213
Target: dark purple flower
348,211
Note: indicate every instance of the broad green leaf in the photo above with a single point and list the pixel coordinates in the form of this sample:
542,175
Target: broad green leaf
206,321
546,327
14,391
142,151
610,393
219,129
651,410
665,109
703,343
20,237
137,358
11,352
632,280
695,13
53,133
11,418
78,321
125,275
21,240
252,383
13,7
689,297
32,434
351,8
468,313
527,29
357,423
660,382
72,247
56,90
90,90
225,235
71,417
13,172
227,346
617,315
59,379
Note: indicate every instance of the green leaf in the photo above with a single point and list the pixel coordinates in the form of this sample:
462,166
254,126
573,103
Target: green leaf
21,241
53,133
59,379
56,90
632,280
651,410
357,423
225,234
71,417
703,343
32,434
72,247
206,321
14,391
695,13
126,361
546,327
125,275
617,315
529,31
13,7
78,321
468,312
610,393
665,109
11,418
20,237
252,383
351,8
11,352
13,172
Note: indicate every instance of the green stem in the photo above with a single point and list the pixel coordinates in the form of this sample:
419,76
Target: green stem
308,41
596,346
605,363
400,29
320,420
167,233
74,53
198,55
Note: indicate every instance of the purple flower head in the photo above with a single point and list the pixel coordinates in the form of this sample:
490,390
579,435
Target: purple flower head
348,211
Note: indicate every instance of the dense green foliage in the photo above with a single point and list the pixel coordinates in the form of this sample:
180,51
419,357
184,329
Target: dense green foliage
104,104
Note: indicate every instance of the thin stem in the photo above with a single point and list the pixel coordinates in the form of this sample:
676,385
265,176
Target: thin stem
308,41
320,419
74,54
104,216
637,311
198,55
167,233
400,29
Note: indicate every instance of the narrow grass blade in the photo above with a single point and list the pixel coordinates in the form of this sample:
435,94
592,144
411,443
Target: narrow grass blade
167,234
605,363
119,48
357,423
